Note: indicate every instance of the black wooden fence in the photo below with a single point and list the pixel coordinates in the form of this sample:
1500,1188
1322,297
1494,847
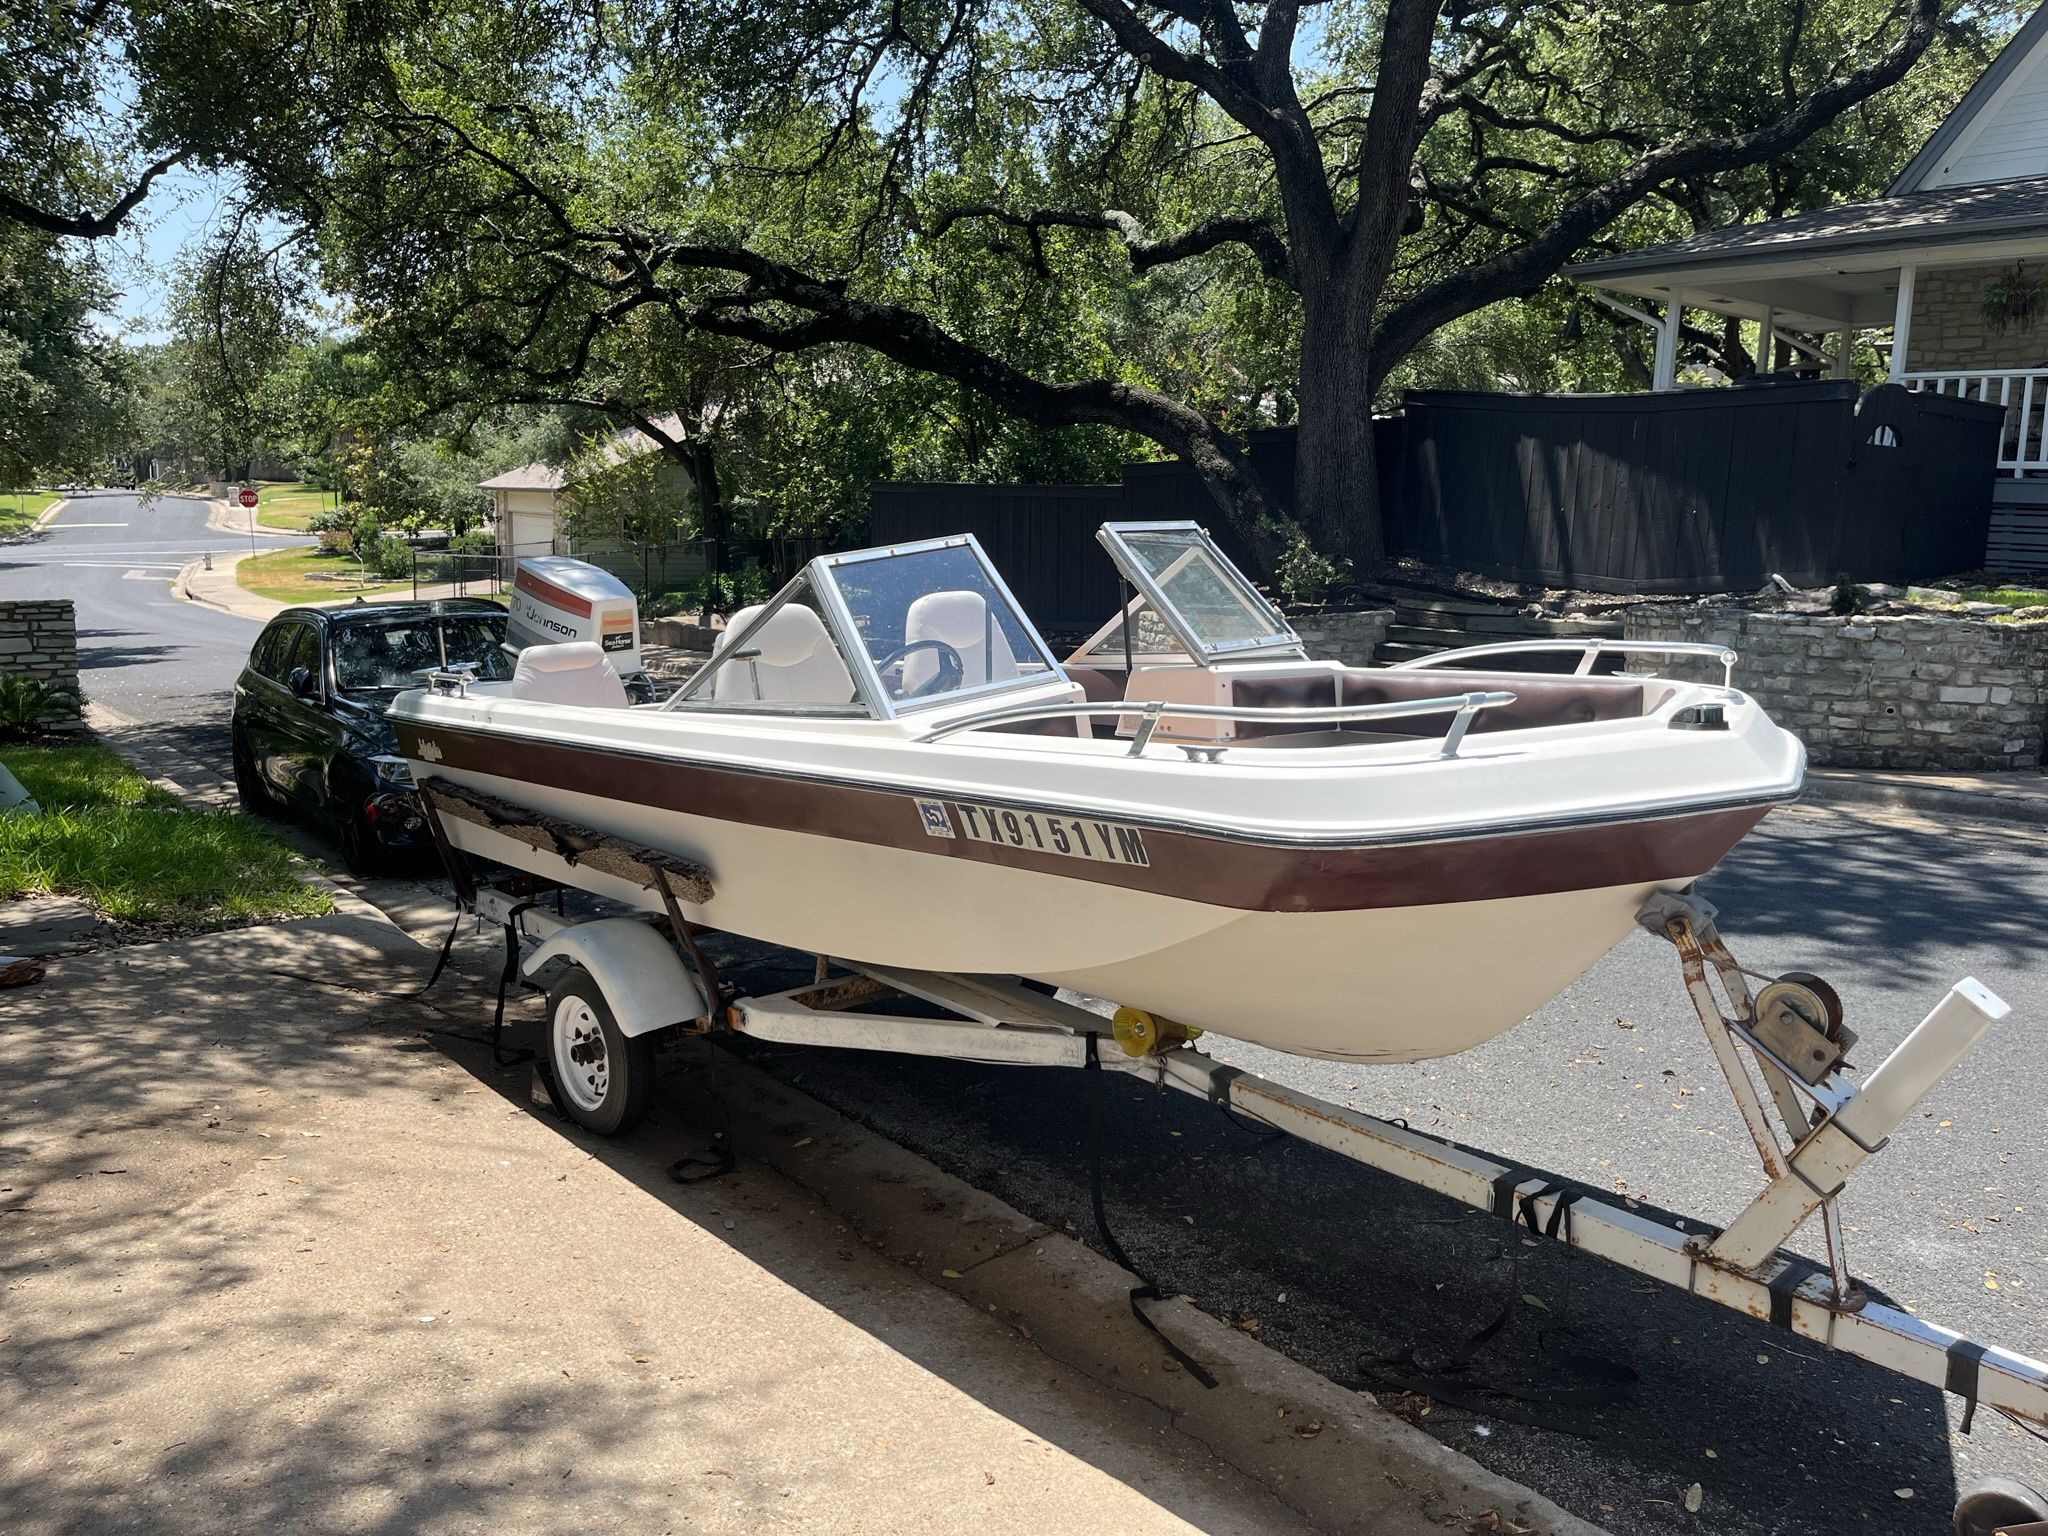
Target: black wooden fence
1041,537
1711,490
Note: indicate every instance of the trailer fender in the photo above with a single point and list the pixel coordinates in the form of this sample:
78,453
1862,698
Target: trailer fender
642,977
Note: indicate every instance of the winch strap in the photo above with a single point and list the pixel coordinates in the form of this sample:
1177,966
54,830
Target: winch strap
1963,1358
1145,1290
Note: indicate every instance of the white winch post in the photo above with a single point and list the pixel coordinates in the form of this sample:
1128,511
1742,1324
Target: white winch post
1846,1126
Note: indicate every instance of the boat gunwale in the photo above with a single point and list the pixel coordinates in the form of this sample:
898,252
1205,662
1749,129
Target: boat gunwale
1660,810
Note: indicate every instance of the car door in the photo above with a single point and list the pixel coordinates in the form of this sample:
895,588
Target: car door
265,700
304,735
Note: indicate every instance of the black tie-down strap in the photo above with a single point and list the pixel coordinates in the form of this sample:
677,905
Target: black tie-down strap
1963,1358
1445,1378
1145,1290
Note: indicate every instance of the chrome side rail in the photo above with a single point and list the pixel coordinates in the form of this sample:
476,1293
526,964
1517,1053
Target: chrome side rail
1464,705
1591,650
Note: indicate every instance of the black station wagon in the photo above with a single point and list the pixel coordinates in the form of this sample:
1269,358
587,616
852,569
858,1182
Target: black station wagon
309,727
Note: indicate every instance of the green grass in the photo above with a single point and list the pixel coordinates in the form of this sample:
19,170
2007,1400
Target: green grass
291,504
18,509
2017,597
110,837
308,576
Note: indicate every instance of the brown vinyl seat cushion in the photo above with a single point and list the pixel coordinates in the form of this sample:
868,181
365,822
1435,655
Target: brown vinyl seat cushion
1541,699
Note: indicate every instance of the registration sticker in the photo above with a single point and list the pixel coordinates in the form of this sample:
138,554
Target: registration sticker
1104,842
936,822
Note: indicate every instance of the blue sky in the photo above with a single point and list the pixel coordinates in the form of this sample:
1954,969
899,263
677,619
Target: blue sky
182,207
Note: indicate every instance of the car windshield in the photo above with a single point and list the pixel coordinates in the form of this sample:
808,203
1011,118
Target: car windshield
389,655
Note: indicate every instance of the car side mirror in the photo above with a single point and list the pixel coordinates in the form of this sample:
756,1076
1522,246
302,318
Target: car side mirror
302,682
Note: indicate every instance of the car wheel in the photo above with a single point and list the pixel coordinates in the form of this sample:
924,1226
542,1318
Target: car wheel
602,1079
250,789
361,854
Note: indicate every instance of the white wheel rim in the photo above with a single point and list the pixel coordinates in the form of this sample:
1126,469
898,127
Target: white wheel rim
582,1064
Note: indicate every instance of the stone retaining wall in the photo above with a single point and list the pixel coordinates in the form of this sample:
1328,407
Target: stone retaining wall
1912,691
39,639
1350,637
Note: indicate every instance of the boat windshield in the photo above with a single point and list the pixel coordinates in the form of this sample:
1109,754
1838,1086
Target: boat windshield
936,621
1195,589
876,632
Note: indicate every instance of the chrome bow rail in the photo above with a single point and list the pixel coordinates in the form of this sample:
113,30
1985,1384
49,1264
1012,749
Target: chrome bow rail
1593,649
1149,712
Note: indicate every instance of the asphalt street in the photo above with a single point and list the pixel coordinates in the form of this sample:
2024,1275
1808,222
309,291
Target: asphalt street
141,651
1610,1085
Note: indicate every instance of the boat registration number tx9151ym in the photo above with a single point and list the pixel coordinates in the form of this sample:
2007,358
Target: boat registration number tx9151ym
1105,842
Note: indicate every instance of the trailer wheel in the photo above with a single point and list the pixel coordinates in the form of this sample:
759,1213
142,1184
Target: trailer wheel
1997,1503
603,1079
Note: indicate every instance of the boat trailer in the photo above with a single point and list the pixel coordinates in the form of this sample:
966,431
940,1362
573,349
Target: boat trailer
647,975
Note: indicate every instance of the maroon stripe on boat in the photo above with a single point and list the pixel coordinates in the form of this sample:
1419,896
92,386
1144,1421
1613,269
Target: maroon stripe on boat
548,592
1251,876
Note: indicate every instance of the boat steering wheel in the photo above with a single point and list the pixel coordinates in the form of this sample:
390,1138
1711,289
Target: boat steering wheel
951,667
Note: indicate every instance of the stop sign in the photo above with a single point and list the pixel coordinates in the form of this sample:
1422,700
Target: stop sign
248,498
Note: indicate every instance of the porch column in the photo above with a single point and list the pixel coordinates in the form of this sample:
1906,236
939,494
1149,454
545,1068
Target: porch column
1902,322
1766,340
1664,369
1844,344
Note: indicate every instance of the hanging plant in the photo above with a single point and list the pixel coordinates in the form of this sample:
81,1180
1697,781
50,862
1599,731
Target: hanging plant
2014,299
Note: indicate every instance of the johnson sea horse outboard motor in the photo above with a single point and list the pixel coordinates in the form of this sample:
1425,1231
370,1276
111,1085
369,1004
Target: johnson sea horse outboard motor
555,598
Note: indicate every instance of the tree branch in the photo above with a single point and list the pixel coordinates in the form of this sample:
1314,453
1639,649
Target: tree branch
1521,269
89,226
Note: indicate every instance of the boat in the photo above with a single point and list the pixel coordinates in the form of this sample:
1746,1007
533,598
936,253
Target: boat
1189,815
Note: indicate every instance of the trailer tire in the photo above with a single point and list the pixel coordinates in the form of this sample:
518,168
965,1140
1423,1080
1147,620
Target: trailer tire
1995,1502
603,1079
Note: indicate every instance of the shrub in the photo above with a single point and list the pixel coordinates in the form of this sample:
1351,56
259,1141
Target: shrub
27,703
1304,575
389,556
473,544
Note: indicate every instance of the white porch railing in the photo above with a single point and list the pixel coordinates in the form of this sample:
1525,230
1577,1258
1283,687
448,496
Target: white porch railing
2024,394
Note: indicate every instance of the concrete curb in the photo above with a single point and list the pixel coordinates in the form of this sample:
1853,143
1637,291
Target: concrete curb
1332,1454
48,514
181,588
2017,805
229,517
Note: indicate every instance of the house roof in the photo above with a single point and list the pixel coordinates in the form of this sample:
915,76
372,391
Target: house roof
542,476
528,477
1942,216
2018,49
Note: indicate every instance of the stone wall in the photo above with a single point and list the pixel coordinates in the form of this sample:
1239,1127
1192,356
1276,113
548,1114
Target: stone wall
1911,691
1350,637
1949,330
39,638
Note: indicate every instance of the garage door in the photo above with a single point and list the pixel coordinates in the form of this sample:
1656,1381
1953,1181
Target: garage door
533,533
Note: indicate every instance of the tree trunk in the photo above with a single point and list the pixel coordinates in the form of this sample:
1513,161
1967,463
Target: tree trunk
1336,476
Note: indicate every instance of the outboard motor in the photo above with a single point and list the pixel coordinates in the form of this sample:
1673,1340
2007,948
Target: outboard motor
555,598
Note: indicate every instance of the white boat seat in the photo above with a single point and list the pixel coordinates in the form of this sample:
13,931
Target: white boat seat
795,661
571,672
959,619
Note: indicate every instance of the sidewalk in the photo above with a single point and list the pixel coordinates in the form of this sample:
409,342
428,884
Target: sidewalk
274,1262
217,588
2010,796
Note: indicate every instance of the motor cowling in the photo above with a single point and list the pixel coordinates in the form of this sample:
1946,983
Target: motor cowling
555,598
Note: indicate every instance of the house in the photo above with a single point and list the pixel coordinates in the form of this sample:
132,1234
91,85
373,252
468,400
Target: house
527,505
1949,270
